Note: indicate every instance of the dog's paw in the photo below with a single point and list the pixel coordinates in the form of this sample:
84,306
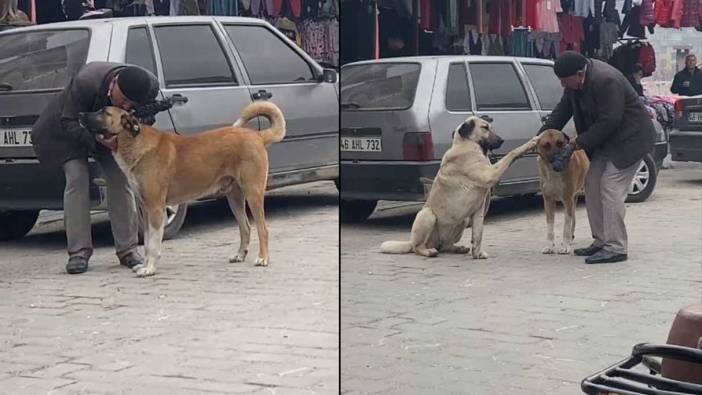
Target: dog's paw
137,267
145,271
565,249
480,255
261,262
549,249
239,257
432,252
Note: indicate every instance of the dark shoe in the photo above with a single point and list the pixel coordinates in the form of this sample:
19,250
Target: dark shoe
132,259
77,264
604,256
587,251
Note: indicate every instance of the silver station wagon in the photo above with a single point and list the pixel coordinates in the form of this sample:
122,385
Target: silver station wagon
212,66
397,116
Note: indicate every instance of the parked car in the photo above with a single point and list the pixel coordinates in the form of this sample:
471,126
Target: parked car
220,64
397,116
686,137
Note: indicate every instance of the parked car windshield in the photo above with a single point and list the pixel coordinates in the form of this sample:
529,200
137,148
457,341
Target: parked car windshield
41,60
380,86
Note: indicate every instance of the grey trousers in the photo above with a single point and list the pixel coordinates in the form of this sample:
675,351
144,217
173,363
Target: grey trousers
120,203
606,188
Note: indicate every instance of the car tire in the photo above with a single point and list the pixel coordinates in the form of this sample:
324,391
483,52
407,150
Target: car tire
16,224
351,211
644,181
175,217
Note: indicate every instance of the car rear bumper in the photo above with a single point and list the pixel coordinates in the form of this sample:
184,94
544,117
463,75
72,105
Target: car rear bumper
25,185
377,180
686,146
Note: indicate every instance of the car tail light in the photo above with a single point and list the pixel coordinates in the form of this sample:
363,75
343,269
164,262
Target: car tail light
418,146
678,108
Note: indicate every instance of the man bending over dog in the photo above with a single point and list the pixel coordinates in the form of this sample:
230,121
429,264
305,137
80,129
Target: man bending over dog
60,140
616,133
459,193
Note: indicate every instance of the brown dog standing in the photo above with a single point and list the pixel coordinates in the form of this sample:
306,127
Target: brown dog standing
560,186
164,168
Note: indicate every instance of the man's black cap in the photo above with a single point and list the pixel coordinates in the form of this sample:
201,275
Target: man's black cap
135,83
568,64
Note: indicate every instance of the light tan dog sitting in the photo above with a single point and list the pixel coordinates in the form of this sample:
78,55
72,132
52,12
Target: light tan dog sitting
560,184
164,168
459,193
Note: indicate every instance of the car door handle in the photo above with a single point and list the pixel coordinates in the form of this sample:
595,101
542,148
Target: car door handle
179,99
261,95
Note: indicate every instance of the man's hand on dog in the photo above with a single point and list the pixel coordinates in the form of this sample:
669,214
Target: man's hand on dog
573,143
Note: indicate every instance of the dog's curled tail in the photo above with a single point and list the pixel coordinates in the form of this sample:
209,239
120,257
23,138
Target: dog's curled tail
276,132
396,247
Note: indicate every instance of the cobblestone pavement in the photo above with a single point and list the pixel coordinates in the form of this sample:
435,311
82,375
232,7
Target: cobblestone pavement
201,325
519,322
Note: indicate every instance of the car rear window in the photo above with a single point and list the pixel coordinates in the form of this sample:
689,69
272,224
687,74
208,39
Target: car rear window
41,60
380,86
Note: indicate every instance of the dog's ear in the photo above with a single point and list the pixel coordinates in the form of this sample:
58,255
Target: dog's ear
131,124
467,128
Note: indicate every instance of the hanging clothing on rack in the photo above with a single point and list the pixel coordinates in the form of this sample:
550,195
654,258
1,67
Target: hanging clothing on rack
648,13
472,43
692,11
609,33
584,8
647,58
263,8
530,17
520,44
572,33
547,18
632,24
669,13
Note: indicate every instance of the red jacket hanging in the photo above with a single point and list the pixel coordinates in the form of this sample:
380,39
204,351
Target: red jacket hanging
647,58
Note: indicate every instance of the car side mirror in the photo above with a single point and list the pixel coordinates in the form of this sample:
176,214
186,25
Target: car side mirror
328,75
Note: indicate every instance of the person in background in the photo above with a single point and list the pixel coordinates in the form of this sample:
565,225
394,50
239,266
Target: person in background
636,77
688,82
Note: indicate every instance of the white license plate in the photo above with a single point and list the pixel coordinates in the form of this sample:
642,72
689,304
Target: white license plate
361,144
694,117
15,138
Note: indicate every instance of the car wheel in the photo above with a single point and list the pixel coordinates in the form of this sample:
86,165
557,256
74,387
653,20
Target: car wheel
16,224
356,210
644,181
175,217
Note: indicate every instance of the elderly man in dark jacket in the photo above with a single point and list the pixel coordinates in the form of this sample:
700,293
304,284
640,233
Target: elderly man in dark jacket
60,140
616,133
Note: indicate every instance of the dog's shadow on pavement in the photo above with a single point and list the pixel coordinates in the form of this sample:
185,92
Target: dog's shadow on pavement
201,217
500,209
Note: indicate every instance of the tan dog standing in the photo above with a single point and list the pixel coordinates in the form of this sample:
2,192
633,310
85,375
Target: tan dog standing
164,168
459,193
560,186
